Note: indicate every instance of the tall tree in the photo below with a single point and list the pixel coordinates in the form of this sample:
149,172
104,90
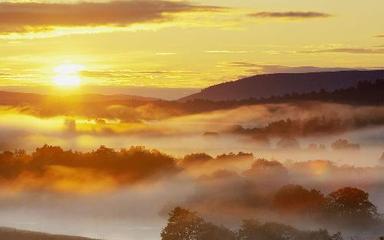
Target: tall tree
186,225
351,205
182,225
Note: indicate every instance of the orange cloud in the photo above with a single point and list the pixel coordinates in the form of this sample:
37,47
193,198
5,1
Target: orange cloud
41,17
290,15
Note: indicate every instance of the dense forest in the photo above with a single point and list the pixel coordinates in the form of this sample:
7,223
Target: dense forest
280,84
365,93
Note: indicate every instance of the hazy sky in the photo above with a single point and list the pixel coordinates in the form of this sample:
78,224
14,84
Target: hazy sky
177,44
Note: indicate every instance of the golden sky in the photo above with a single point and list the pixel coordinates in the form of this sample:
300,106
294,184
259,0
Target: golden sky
178,44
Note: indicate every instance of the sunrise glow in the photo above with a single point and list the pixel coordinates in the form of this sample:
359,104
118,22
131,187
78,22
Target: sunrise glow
191,120
68,75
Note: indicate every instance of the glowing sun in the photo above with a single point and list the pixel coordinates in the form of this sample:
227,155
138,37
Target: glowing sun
68,75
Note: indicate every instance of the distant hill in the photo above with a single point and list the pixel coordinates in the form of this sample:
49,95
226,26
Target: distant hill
13,234
279,84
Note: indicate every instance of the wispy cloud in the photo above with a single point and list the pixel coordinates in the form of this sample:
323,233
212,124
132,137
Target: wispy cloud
290,15
348,50
226,51
151,77
165,53
258,68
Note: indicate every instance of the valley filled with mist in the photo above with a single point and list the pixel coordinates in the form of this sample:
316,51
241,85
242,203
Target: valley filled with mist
120,165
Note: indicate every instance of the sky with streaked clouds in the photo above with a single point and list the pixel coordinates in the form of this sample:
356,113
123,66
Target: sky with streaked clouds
178,44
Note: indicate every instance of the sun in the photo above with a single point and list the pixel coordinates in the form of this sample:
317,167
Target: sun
68,75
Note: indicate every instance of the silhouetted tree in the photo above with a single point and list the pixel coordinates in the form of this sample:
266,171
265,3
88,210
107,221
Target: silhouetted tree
182,225
351,206
186,225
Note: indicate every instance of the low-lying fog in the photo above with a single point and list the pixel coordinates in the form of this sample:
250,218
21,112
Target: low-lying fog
326,147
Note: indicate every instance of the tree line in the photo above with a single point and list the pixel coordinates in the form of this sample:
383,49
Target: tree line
364,93
346,203
184,224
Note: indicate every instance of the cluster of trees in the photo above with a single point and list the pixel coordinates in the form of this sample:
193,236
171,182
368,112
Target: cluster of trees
187,225
289,127
202,158
344,209
308,127
267,170
126,165
347,206
344,144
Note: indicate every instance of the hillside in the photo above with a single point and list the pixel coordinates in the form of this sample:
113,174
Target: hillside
13,234
268,85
